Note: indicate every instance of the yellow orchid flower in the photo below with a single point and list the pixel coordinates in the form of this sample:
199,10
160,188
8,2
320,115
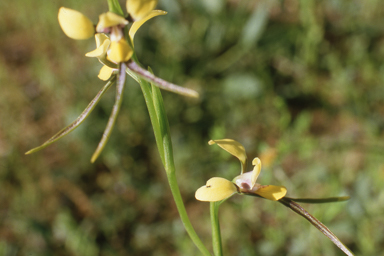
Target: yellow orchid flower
77,26
114,51
104,51
218,189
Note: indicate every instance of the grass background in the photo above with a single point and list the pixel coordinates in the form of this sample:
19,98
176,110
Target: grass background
298,82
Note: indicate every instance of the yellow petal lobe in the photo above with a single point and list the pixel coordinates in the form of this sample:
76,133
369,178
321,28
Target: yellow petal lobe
110,19
100,38
75,24
138,9
271,192
100,50
233,147
120,51
216,189
105,73
256,170
137,24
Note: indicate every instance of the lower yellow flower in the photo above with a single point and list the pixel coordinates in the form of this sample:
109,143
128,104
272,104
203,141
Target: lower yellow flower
218,189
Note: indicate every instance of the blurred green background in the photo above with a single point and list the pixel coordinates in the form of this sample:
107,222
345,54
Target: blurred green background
298,82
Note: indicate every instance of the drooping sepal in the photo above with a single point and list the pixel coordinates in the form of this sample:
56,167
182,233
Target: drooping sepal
77,122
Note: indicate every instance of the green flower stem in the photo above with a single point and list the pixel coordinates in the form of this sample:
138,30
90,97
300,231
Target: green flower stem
161,130
216,234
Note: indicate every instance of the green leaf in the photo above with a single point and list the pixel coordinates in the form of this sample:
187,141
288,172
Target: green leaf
115,7
115,111
78,121
164,145
319,200
159,108
147,93
215,225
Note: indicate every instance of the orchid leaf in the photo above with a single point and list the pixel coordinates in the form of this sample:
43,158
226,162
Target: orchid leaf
162,84
78,121
159,107
147,92
164,144
115,111
215,225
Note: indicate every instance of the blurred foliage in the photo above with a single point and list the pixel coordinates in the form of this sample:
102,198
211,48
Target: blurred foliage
298,82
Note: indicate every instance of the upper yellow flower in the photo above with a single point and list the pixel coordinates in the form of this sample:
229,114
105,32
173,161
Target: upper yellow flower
218,189
112,49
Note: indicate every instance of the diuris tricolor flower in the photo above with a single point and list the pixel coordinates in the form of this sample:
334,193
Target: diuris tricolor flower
218,189
114,49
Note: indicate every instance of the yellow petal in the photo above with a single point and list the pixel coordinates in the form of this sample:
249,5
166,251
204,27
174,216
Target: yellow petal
75,24
137,24
105,73
256,170
138,9
110,19
271,192
100,38
100,51
120,51
216,189
233,147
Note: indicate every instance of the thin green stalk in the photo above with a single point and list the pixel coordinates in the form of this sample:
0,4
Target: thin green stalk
215,224
158,117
